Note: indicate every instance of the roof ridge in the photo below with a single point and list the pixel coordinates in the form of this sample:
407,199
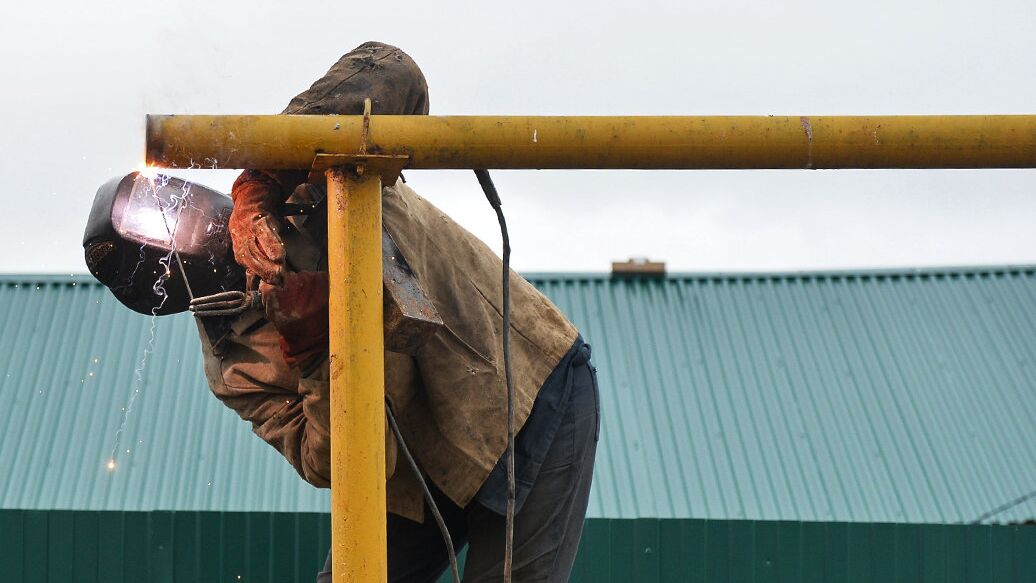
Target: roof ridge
1018,269
927,271
47,279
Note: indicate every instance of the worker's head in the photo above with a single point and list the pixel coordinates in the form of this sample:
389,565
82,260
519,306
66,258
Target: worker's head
137,227
137,223
384,73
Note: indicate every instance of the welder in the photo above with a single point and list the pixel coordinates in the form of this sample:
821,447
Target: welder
269,362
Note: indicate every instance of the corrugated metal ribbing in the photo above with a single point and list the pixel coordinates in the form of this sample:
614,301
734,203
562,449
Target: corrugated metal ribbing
39,546
718,551
867,397
68,353
879,397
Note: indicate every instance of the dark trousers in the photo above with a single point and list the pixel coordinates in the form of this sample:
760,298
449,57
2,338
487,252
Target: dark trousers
546,529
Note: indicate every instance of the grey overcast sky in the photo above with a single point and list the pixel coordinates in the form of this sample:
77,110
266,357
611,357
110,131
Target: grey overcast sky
78,77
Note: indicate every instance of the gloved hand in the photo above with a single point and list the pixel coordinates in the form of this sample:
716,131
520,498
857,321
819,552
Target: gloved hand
298,309
255,226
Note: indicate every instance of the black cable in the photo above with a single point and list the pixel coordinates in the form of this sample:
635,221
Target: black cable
494,200
427,493
1004,507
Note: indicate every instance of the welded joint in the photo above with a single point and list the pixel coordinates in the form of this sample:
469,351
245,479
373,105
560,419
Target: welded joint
365,133
388,166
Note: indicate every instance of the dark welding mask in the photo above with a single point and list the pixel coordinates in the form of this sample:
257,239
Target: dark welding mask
146,235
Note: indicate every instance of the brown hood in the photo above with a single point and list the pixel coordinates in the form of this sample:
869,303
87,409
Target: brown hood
382,72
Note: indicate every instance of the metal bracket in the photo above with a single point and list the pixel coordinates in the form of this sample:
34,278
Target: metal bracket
388,166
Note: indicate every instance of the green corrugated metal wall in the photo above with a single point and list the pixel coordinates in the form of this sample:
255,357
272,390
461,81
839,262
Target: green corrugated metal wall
50,546
693,551
39,546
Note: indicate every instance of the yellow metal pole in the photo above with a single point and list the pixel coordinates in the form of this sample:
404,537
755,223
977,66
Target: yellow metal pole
358,538
287,141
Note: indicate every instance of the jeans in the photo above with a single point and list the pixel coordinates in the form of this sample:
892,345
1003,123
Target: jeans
546,530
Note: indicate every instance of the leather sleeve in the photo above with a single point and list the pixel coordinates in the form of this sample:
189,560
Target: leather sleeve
288,411
250,376
284,181
298,310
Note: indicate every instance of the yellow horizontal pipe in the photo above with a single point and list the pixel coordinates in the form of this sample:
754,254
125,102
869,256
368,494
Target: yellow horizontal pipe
286,141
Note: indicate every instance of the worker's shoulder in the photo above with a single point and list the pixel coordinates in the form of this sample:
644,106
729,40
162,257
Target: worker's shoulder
405,209
402,193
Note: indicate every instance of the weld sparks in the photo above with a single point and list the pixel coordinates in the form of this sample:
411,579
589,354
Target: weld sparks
148,171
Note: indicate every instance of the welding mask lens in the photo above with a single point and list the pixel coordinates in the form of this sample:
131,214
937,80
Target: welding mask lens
167,213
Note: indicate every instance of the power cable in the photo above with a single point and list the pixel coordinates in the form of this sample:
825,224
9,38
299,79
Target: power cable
1004,507
486,182
427,493
493,197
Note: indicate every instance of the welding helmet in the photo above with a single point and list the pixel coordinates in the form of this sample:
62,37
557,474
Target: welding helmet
145,235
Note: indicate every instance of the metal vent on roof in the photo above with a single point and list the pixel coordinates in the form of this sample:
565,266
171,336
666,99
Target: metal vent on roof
638,267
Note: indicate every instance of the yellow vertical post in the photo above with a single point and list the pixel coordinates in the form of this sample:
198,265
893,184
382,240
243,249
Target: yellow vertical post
358,538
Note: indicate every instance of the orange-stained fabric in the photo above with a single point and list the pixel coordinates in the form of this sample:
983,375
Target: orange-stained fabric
298,310
254,227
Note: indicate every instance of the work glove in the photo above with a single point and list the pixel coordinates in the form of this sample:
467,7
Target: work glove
298,309
255,226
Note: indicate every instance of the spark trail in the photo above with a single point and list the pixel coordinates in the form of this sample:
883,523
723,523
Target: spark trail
155,183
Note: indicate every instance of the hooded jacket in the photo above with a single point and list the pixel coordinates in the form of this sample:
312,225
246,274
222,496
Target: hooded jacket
450,400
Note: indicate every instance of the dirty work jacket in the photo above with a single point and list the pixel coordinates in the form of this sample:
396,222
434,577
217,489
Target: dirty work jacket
450,400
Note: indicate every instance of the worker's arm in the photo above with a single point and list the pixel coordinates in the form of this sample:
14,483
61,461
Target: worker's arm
298,310
289,410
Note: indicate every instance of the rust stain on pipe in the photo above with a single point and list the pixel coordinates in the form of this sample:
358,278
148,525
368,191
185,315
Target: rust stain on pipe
809,139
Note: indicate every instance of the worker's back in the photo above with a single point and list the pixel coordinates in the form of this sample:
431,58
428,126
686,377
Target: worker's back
461,367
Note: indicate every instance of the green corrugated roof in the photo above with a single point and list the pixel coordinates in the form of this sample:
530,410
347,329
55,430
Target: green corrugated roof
893,396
